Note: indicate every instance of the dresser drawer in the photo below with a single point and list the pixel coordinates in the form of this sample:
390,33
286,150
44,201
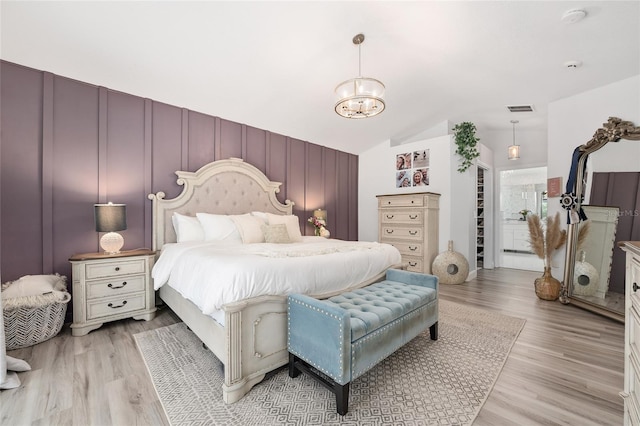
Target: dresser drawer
631,403
115,305
115,287
401,201
405,217
413,265
115,268
411,249
409,233
634,273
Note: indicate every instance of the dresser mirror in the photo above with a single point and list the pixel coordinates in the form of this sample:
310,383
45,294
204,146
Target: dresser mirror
596,254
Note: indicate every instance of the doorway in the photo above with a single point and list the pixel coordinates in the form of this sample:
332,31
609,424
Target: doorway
522,192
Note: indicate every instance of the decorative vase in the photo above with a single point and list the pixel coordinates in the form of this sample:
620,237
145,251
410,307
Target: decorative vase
547,287
450,267
585,278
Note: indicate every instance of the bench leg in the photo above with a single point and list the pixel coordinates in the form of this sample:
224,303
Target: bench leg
293,371
342,398
433,331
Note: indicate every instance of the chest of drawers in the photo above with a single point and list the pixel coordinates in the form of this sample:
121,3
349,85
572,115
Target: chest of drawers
409,222
111,287
631,392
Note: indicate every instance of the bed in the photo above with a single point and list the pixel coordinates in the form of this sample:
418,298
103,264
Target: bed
247,335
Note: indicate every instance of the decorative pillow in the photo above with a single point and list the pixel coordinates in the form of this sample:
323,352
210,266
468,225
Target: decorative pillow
292,223
188,228
250,228
218,227
276,234
33,285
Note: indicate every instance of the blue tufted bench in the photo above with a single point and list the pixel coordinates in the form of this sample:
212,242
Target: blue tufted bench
338,339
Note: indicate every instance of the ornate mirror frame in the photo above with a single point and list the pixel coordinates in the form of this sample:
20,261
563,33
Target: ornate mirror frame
611,131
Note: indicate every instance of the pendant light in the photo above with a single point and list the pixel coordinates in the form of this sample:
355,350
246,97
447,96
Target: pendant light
514,150
360,97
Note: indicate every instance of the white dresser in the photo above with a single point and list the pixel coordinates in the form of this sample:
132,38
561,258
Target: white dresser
111,287
409,222
631,392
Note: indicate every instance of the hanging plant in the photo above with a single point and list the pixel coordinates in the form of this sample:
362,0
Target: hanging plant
466,142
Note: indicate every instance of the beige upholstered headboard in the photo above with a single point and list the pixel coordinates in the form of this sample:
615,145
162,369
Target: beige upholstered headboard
221,187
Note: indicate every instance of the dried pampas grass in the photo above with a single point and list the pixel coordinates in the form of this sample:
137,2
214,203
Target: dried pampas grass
544,241
536,235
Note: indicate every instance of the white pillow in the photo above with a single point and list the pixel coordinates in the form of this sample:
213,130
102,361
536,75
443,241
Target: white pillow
250,228
218,227
188,228
34,285
292,222
261,215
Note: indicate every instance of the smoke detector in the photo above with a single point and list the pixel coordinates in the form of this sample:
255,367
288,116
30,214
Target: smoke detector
573,64
573,15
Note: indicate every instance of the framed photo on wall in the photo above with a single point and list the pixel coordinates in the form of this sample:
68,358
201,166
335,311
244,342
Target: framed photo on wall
412,169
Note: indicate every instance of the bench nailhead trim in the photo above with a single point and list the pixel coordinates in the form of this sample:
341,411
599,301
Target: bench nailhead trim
340,330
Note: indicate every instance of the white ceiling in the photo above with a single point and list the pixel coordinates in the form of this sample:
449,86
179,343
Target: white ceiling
274,65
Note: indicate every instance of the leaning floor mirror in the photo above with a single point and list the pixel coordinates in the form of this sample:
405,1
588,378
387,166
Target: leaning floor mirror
603,210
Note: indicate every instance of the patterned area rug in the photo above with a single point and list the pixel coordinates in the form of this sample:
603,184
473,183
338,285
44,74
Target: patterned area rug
443,382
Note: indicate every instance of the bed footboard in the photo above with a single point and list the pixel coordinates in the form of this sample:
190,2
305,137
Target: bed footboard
252,342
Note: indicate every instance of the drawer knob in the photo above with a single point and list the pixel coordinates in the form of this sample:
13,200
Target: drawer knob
389,231
635,287
389,216
388,202
113,288
117,268
413,264
413,232
413,248
412,216
111,305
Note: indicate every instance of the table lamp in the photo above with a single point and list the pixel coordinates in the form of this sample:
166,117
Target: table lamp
111,218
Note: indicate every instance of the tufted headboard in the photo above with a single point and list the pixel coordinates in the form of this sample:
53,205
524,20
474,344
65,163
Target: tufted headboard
221,187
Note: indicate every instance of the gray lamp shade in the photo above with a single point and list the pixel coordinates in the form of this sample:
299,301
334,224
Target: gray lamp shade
110,217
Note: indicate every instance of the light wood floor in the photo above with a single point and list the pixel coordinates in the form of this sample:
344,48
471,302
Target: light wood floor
566,367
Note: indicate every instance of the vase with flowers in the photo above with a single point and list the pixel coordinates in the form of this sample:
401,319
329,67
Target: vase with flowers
545,240
524,213
319,226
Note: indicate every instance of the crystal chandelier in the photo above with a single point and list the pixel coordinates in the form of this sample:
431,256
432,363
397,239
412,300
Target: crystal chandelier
360,97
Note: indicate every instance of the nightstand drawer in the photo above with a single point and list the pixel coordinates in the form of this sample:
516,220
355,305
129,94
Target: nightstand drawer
115,305
393,232
114,269
115,287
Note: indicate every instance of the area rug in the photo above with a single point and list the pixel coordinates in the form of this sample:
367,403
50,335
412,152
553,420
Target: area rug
443,382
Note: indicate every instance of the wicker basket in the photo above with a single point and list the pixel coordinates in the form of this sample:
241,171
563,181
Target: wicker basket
40,318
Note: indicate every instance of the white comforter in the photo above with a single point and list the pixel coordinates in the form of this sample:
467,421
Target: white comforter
211,274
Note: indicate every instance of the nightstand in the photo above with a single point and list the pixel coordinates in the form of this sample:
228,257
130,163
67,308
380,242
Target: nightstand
109,287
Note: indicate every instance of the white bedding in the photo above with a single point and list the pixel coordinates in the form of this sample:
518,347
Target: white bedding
213,273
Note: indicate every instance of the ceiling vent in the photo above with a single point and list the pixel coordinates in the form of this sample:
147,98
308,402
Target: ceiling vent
520,108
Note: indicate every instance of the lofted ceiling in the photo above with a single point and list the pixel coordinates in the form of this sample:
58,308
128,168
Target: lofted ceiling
274,65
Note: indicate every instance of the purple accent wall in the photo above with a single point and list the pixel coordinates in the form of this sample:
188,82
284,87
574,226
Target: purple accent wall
67,145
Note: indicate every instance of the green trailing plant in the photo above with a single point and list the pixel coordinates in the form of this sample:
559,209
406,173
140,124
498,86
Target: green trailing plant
466,143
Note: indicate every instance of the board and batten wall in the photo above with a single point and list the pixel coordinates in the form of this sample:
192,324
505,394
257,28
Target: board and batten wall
66,145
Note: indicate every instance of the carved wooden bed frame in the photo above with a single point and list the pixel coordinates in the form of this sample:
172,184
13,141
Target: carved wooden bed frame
253,340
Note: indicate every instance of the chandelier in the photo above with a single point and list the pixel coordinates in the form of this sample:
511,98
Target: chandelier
514,150
360,97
